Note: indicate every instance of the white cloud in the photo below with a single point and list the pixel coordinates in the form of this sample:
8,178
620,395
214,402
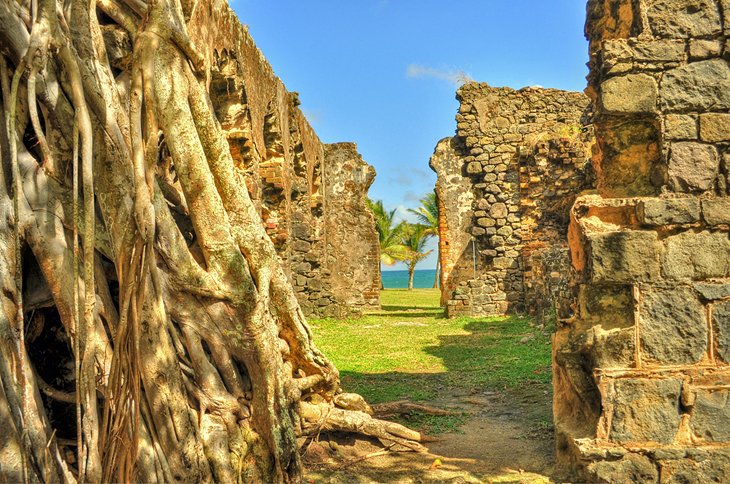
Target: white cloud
403,215
452,76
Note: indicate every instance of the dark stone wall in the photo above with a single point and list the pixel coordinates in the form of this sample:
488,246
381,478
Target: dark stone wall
641,370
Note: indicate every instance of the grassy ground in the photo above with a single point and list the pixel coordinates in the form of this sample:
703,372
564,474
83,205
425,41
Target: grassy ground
408,350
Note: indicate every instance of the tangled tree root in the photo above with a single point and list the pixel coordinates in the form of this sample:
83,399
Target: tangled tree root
177,359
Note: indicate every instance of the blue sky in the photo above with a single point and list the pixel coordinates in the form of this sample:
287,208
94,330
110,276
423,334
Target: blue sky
383,73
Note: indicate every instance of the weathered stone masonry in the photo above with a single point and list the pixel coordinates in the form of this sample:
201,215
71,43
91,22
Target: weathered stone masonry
294,179
506,182
642,369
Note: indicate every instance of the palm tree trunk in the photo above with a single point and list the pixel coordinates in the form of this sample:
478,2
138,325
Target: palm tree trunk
436,281
411,271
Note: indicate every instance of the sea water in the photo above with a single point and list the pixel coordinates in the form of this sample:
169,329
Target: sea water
399,279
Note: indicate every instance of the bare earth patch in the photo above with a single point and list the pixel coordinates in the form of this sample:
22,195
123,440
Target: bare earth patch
503,439
492,387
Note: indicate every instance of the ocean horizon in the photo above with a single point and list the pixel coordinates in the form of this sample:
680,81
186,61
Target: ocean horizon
422,279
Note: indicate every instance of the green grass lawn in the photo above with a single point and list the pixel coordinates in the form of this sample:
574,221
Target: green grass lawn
409,350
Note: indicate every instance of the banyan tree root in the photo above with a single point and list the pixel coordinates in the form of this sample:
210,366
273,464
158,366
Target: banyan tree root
129,352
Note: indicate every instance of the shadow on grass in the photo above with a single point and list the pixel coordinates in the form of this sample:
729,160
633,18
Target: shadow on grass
412,314
449,362
386,309
496,354
493,358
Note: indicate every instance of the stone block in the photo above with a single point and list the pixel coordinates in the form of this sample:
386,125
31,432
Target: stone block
626,256
716,211
712,292
672,326
631,469
683,18
696,255
629,153
645,410
301,246
698,86
680,126
712,467
610,305
615,348
662,50
474,167
498,210
659,211
620,54
704,49
711,415
692,166
634,93
721,327
715,127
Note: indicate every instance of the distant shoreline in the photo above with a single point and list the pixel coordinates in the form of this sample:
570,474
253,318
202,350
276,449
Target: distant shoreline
422,279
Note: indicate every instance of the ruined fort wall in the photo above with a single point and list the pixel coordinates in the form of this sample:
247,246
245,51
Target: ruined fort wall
487,176
282,162
455,198
642,369
352,246
552,174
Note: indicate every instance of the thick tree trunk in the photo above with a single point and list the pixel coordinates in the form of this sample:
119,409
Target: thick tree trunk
438,270
172,359
411,272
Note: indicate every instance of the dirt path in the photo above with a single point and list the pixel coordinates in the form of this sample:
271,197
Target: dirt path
504,438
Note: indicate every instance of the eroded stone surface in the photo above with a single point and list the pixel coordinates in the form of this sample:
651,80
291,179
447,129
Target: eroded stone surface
680,127
627,256
656,211
710,466
711,415
715,127
635,93
693,166
696,255
645,410
721,325
610,305
683,18
673,326
716,211
630,469
699,86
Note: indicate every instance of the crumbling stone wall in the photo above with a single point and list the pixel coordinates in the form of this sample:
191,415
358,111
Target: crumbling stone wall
642,369
353,247
287,170
552,174
512,147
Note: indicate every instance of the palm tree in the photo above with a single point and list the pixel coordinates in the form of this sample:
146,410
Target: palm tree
428,214
389,234
414,238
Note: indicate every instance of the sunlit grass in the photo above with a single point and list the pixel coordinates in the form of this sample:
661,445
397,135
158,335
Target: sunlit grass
409,350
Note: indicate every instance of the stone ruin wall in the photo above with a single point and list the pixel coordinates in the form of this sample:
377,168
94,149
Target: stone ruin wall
293,178
353,247
506,182
642,369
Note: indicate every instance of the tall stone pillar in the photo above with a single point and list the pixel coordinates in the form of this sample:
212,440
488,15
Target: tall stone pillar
642,369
